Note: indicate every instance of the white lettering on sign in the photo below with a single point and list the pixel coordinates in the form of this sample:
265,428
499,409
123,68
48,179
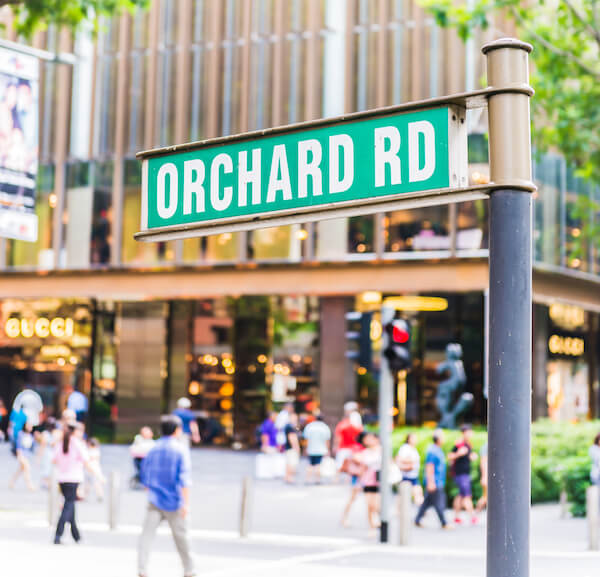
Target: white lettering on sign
220,202
193,185
344,143
279,165
415,129
41,327
572,346
170,170
309,168
387,155
248,176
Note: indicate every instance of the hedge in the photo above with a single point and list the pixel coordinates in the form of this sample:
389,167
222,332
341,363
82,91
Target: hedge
559,459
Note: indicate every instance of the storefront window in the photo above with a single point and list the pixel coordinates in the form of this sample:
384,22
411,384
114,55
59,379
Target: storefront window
77,217
277,243
37,254
417,230
472,225
45,344
361,234
102,214
547,207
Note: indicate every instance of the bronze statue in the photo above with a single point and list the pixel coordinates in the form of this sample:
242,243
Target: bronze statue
451,399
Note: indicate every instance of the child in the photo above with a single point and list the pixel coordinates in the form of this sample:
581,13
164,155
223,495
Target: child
98,479
142,443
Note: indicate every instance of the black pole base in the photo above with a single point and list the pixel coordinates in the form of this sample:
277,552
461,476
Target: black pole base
383,532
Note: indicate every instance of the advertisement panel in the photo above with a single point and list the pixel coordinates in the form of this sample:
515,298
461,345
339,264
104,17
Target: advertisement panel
18,144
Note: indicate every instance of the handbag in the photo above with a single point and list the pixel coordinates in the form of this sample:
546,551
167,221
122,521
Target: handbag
353,468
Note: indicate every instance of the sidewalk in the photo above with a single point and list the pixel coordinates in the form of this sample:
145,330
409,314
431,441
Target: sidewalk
287,522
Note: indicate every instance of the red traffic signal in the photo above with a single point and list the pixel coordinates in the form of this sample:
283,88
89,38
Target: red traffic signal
399,333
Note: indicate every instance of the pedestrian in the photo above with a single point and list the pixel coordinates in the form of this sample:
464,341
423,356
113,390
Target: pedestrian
3,424
345,435
47,440
595,457
370,457
435,481
142,443
283,418
30,403
191,432
24,445
96,478
268,434
483,470
78,403
461,456
292,448
318,437
16,422
166,473
409,463
70,458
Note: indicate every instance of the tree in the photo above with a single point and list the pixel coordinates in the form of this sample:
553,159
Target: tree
32,15
566,76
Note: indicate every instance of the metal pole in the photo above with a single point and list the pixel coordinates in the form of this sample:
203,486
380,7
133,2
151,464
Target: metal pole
593,503
246,504
114,496
509,408
405,513
386,402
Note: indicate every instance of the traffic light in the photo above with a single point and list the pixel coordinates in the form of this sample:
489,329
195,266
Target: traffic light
358,336
397,344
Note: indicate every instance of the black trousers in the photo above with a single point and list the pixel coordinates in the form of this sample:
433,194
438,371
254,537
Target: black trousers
437,500
69,491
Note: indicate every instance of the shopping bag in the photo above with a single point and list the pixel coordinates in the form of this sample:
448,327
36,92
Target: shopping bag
328,468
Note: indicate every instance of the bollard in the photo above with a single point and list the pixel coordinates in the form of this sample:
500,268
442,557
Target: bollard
593,503
564,504
405,513
52,498
114,496
246,506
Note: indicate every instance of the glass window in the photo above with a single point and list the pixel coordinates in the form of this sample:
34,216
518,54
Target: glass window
77,217
578,221
134,252
472,225
277,243
102,214
107,68
165,88
421,229
138,65
547,207
361,234
37,254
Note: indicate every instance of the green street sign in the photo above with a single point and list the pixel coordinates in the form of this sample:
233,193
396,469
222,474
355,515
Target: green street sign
302,173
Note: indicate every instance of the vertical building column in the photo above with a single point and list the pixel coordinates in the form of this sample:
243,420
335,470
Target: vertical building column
150,120
333,234
337,383
120,138
214,77
183,68
61,142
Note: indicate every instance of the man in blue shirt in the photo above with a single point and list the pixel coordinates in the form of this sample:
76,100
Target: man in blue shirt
435,480
166,473
191,433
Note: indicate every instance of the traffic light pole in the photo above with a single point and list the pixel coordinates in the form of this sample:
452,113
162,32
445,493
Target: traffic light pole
509,403
386,405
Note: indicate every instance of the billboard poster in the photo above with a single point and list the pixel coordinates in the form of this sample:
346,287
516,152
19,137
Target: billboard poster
18,144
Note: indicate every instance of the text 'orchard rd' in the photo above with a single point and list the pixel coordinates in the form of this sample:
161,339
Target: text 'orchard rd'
299,169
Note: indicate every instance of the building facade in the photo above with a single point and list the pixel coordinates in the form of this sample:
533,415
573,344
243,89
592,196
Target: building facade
240,322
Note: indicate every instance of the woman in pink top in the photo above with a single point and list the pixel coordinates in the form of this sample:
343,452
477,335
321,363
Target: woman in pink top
70,458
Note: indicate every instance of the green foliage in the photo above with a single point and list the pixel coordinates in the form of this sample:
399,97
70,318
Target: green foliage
566,73
32,15
559,459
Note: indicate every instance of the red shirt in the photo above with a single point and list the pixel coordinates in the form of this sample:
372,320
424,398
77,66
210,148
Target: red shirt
346,434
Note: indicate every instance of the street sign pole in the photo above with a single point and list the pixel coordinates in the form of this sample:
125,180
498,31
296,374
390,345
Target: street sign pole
509,404
386,405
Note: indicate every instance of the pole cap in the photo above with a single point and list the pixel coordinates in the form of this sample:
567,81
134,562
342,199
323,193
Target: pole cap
506,43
